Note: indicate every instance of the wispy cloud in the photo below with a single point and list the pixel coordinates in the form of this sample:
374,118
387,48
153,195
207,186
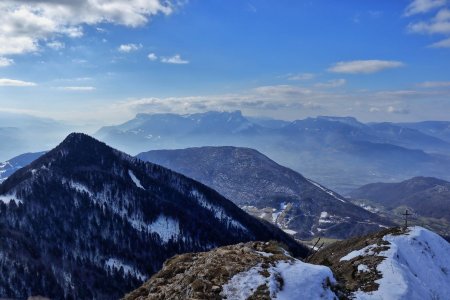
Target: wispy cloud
434,84
176,59
77,88
15,83
5,62
282,91
397,110
127,48
441,44
301,76
423,6
364,66
56,45
334,83
152,56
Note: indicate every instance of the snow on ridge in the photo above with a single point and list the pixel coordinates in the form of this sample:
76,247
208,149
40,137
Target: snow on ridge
219,212
244,284
366,251
416,266
136,181
329,192
300,281
116,264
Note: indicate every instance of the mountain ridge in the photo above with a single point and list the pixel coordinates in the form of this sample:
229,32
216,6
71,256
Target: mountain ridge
99,221
266,189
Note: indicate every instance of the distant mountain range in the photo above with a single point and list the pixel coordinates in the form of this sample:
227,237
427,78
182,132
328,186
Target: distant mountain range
21,133
85,221
438,129
427,198
270,191
8,167
340,152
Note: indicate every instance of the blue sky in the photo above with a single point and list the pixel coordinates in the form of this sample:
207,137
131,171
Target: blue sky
101,62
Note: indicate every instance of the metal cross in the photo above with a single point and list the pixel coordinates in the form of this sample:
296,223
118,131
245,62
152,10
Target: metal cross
406,214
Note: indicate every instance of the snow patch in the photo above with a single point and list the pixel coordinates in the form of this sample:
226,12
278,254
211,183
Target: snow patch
116,264
300,281
290,231
219,212
10,197
166,227
304,281
363,268
242,285
368,250
265,254
329,192
136,181
79,187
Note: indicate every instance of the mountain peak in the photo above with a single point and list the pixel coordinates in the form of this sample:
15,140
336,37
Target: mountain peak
80,144
78,138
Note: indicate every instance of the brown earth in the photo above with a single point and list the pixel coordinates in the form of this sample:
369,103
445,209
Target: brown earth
202,275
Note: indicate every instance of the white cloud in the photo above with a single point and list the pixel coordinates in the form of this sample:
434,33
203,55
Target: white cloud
176,59
331,83
441,44
364,66
127,48
281,91
77,88
5,62
56,45
434,84
423,6
397,110
301,76
440,24
24,23
15,83
152,56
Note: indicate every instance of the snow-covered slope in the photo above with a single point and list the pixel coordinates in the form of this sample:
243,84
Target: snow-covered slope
393,264
417,266
244,271
288,279
9,167
411,264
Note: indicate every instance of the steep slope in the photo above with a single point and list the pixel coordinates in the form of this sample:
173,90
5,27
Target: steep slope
392,264
94,222
270,191
10,166
244,271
